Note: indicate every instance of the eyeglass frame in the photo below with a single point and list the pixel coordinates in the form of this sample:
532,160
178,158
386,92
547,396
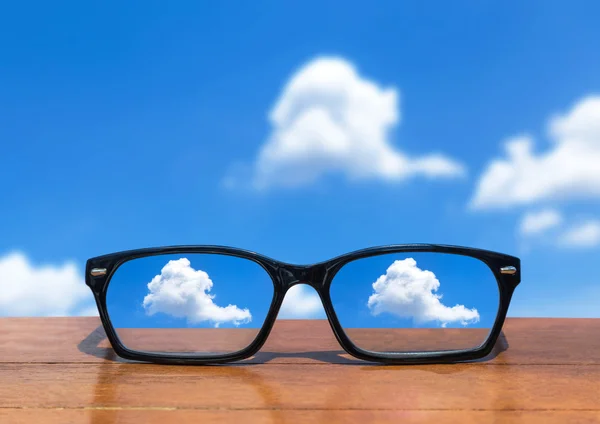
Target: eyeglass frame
505,268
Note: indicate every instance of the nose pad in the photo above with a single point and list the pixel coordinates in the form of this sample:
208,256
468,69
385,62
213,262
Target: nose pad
301,301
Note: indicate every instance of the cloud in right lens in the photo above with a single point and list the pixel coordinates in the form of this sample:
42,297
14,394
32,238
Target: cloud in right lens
407,291
183,292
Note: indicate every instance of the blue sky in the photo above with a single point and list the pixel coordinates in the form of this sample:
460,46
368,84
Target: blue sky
301,133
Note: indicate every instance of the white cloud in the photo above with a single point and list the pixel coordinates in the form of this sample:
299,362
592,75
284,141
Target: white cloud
540,221
300,303
182,292
409,292
42,290
585,234
330,119
90,311
567,170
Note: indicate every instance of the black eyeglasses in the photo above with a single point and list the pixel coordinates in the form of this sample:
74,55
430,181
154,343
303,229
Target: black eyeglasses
394,304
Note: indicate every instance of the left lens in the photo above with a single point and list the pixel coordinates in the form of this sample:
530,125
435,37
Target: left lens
416,302
194,303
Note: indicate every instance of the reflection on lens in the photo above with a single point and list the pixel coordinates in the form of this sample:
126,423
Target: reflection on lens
203,304
416,302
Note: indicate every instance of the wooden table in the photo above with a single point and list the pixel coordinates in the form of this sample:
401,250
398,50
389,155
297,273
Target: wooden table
62,370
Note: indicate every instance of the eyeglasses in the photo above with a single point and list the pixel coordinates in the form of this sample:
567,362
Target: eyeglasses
395,304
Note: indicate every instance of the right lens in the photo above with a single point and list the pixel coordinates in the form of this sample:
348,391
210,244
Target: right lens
194,303
416,302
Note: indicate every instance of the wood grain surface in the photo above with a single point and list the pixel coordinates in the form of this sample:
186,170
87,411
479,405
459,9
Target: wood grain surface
62,370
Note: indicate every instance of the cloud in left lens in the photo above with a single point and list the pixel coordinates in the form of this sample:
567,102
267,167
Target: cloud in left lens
407,291
183,292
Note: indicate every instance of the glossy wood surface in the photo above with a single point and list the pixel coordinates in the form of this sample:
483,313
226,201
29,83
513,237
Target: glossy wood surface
62,370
